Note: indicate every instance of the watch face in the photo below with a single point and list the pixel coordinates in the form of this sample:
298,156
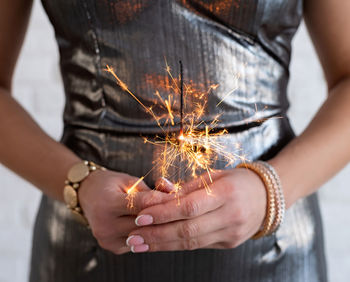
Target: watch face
78,172
70,196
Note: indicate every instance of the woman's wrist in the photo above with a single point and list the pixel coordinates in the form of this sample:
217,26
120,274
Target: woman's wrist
275,202
285,174
87,193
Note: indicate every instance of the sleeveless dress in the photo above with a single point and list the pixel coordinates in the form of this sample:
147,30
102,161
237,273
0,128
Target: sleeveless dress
241,44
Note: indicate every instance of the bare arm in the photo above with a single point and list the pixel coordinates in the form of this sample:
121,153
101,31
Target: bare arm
27,150
24,147
323,148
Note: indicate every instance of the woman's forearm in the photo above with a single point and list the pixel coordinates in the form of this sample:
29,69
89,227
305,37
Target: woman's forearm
28,151
321,151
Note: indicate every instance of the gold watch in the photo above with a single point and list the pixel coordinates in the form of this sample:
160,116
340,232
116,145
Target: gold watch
75,176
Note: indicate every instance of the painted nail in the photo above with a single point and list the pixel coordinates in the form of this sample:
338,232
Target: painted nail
169,185
134,240
139,248
143,219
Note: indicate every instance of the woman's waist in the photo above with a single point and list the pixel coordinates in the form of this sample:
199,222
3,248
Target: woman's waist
236,118
146,154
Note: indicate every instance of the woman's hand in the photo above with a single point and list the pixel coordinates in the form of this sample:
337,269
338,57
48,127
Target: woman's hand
231,214
102,197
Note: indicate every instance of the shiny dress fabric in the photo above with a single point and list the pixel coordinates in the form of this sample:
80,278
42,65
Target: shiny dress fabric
242,44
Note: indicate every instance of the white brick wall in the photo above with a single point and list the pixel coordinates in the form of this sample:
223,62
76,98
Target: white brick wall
38,87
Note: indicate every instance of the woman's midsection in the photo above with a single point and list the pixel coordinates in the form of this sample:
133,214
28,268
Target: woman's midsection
132,154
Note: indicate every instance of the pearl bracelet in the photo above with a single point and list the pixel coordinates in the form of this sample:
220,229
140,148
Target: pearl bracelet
275,208
281,206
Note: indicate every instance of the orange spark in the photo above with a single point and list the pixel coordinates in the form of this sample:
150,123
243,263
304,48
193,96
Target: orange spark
193,149
132,192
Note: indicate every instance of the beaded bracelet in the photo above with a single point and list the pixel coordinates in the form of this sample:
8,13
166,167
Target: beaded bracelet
76,174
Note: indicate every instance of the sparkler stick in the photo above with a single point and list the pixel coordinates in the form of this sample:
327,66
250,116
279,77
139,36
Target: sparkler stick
181,100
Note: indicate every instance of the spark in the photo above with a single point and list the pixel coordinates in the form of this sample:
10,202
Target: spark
131,192
236,78
196,147
228,94
256,116
176,192
125,88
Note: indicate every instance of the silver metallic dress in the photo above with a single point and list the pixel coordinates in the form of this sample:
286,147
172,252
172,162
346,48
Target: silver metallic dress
241,44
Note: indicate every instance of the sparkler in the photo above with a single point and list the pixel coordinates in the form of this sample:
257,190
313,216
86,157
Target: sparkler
132,192
182,100
196,147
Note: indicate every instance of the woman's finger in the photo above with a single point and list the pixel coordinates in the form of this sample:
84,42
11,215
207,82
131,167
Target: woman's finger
123,225
182,229
121,250
215,246
191,205
188,244
133,203
207,178
140,185
164,185
113,239
202,181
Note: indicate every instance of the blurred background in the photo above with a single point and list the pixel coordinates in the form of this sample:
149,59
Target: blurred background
38,88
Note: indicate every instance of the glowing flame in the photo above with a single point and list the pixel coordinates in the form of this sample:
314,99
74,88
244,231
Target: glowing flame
132,192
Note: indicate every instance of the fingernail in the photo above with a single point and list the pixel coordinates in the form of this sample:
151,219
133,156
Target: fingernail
167,182
166,185
134,240
143,219
139,248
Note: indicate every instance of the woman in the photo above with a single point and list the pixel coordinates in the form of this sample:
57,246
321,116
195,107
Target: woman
206,239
